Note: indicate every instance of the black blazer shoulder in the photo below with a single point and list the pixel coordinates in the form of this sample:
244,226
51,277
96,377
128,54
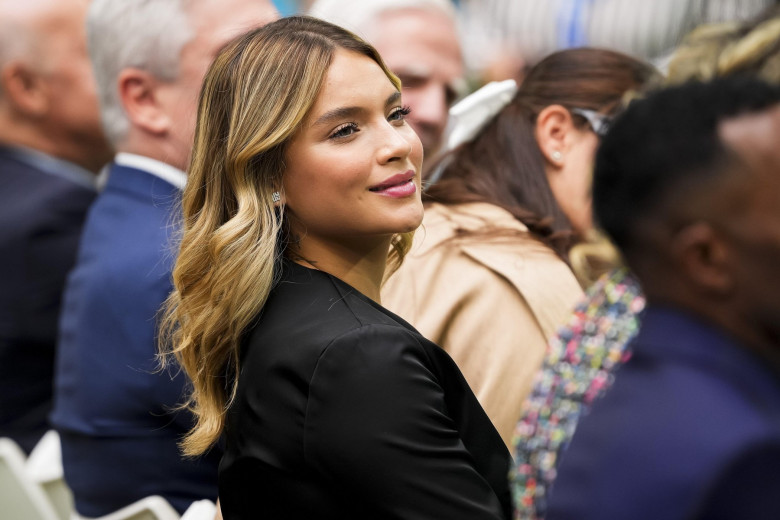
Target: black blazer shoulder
338,391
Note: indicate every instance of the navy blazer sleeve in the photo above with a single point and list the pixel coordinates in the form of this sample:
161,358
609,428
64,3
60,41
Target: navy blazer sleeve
377,424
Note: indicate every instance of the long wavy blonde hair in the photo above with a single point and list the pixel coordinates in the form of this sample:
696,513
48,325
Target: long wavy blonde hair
254,97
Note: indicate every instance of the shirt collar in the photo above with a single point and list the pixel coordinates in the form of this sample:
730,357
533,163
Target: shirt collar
53,165
157,168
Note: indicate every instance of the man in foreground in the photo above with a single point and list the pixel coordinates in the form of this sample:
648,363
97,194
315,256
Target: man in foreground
51,148
687,184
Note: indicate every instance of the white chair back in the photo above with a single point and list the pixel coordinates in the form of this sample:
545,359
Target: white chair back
200,510
44,467
149,508
20,497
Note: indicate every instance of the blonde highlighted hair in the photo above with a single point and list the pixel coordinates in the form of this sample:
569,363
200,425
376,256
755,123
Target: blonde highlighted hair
254,97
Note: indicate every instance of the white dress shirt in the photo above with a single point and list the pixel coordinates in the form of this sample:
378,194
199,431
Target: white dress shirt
164,171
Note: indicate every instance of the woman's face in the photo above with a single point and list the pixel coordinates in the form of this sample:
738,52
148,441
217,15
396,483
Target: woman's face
572,186
353,169
570,151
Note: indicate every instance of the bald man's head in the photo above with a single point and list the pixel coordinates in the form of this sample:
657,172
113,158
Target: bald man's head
48,98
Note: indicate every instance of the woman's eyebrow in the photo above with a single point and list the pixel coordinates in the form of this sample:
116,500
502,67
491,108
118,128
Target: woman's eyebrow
393,98
344,112
336,114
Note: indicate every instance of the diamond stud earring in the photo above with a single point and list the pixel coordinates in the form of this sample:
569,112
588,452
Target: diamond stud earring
275,197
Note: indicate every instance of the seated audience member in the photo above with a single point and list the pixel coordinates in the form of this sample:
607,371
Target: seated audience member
487,278
582,360
686,185
115,413
51,148
578,368
419,42
299,200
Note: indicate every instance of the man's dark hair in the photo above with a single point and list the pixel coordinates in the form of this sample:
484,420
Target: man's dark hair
664,141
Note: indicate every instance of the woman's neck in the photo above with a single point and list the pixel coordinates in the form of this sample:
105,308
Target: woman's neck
359,265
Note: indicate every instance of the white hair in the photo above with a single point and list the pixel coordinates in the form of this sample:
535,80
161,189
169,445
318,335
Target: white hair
18,41
15,41
358,15
144,34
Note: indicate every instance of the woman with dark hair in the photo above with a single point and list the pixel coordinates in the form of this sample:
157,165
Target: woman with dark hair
582,361
488,277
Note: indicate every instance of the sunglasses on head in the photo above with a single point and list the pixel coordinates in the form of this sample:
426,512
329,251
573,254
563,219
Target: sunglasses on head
597,121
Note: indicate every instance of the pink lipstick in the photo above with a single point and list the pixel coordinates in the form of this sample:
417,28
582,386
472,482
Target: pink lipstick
397,186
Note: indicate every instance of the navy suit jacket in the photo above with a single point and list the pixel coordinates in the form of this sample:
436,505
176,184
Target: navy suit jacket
42,209
690,430
112,408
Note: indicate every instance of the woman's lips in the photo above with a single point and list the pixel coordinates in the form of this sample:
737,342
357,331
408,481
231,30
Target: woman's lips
399,185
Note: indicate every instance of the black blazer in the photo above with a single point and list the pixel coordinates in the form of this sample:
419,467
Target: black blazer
345,411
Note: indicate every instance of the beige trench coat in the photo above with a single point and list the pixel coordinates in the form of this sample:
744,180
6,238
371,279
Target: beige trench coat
492,303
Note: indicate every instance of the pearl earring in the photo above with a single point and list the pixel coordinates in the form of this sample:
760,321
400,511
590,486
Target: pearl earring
557,156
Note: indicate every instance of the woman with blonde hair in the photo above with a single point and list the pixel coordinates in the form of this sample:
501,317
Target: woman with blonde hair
304,175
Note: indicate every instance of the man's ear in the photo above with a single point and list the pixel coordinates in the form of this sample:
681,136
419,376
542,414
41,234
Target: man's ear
553,125
704,258
138,94
25,89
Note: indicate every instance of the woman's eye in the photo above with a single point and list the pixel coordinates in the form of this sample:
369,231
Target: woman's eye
399,114
344,130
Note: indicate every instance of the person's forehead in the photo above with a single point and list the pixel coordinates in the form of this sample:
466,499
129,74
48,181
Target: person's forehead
352,81
31,13
352,75
754,137
63,20
419,41
61,33
756,189
217,22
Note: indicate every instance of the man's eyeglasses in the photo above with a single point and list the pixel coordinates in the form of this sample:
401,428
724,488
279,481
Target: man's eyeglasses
597,121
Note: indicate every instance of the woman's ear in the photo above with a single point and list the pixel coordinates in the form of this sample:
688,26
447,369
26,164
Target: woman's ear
553,125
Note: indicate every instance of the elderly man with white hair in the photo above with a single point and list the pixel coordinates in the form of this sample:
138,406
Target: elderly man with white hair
116,414
419,42
51,147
